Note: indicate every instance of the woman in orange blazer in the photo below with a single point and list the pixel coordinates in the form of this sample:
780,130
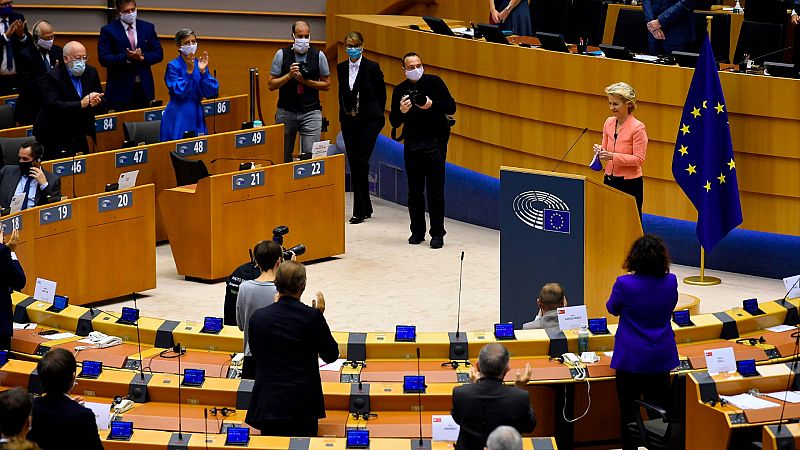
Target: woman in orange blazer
624,143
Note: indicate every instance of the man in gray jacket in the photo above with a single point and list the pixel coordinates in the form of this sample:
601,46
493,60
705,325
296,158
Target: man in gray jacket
551,297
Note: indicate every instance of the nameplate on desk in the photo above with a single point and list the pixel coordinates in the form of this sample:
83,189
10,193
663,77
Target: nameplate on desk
309,169
152,116
105,124
11,224
116,201
192,147
131,158
75,167
249,139
217,108
248,180
11,101
55,214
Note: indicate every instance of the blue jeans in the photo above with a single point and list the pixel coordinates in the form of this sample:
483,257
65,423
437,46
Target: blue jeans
309,124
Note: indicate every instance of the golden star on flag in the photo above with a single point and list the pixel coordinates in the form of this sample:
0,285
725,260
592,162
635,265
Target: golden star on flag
708,186
721,178
731,165
696,112
705,106
720,107
684,129
683,150
691,169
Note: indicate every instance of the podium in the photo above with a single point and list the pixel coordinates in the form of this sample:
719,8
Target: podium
562,228
212,225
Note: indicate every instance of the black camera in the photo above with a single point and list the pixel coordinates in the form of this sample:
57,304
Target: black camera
417,97
277,235
304,69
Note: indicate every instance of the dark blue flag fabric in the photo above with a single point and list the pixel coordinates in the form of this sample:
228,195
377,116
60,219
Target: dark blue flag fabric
703,163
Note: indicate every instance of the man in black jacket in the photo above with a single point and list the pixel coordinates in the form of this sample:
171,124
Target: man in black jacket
485,404
12,278
15,38
286,338
421,103
58,420
33,63
72,96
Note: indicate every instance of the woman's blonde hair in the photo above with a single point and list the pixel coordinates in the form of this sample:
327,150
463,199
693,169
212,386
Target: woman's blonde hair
625,92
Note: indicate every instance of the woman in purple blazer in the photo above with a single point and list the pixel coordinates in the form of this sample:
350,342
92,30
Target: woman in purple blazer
644,345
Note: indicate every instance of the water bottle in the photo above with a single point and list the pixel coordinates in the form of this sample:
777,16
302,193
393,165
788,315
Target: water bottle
257,123
583,340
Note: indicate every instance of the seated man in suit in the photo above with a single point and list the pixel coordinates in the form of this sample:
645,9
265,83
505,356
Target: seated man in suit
58,419
72,96
15,416
482,406
551,297
127,48
28,178
33,63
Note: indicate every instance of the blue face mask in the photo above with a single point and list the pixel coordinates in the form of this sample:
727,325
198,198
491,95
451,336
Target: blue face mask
354,53
76,67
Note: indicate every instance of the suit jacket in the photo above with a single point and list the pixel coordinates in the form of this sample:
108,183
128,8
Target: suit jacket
676,18
14,41
369,86
630,147
285,339
644,341
31,69
480,407
12,278
9,178
548,320
122,72
62,125
58,420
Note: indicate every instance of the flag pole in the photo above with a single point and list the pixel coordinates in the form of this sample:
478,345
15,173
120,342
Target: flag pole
702,280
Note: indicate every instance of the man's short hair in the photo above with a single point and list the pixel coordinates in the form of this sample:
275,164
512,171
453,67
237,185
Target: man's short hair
294,25
493,360
37,149
291,278
121,3
504,437
409,55
15,408
55,370
552,295
37,26
267,254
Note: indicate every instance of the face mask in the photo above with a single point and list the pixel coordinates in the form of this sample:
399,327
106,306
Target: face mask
25,167
301,45
190,49
354,53
76,67
44,44
128,18
415,74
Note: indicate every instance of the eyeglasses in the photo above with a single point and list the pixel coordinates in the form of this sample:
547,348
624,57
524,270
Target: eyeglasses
82,58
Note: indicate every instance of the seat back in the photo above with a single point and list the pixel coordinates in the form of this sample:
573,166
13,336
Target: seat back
7,116
549,16
187,171
631,31
585,19
10,148
720,34
142,132
767,11
758,39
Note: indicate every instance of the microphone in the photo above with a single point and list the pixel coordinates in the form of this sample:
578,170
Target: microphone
783,301
458,314
243,159
214,117
570,149
796,336
139,339
205,425
772,53
419,402
177,349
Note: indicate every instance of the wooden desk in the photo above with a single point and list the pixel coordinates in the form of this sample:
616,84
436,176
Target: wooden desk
222,114
96,247
212,225
89,174
772,439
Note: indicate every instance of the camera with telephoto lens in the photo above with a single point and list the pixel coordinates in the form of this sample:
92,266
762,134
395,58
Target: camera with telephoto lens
277,235
417,97
304,69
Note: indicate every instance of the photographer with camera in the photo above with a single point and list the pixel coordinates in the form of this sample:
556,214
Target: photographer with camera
422,105
299,72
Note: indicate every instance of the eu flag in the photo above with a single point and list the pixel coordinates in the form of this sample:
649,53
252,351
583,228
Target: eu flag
703,163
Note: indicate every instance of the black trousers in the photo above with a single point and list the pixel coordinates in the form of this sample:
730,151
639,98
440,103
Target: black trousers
359,140
289,427
138,100
634,187
425,163
651,387
8,84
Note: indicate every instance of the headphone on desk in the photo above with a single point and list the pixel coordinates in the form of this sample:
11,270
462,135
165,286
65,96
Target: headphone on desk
224,412
752,341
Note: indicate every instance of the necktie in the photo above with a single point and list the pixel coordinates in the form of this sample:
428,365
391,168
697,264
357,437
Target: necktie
46,60
27,191
132,37
9,49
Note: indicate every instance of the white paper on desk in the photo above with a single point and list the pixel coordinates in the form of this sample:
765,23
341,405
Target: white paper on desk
335,366
781,328
24,326
747,401
464,30
57,336
648,58
16,203
320,149
127,180
445,429
720,360
785,396
45,290
102,414
572,317
792,284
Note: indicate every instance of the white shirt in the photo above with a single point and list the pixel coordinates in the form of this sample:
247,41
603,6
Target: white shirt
354,66
4,65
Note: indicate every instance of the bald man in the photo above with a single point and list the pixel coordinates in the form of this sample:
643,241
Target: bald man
33,63
72,96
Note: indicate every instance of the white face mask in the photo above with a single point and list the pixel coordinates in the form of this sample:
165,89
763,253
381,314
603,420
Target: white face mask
128,18
301,45
415,74
45,44
189,49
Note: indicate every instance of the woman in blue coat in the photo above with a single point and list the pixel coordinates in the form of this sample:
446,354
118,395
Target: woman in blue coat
189,81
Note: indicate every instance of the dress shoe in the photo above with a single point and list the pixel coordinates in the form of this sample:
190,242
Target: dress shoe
355,219
416,239
437,241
